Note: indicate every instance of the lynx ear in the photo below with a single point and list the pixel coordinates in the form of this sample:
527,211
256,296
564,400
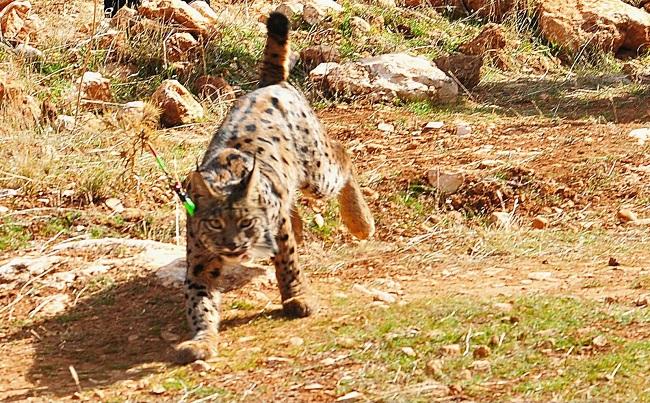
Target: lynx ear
249,182
197,185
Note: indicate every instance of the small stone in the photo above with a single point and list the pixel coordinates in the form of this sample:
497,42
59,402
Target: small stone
463,129
56,304
599,341
200,365
361,289
314,386
94,87
482,366
114,204
350,397
158,390
540,275
386,127
3,209
169,336
319,220
360,25
613,262
539,222
384,297
430,126
132,338
500,219
450,350
328,361
296,341
434,368
626,215
482,352
446,182
643,300
409,351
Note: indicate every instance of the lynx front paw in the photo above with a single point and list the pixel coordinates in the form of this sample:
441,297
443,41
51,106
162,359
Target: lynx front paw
192,350
300,307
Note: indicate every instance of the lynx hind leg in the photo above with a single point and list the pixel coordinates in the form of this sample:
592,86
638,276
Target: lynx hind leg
355,213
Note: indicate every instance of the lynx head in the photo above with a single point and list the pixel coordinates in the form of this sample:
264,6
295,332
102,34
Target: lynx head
230,219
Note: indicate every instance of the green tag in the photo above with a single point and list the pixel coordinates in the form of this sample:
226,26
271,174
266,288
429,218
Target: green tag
189,206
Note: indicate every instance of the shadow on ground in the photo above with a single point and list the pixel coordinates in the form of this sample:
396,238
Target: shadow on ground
122,332
611,98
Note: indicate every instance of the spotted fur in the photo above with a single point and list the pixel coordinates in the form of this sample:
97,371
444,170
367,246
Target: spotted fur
270,146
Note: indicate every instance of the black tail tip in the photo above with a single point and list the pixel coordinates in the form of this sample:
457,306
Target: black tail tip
278,24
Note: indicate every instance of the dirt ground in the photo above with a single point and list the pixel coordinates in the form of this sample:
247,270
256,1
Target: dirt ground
560,150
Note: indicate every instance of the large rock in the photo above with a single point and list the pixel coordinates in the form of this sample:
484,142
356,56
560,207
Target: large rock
607,25
386,77
177,104
176,11
18,23
95,90
181,47
312,11
490,39
312,56
465,68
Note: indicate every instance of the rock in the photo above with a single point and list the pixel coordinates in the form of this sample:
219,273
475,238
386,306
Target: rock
293,11
115,205
359,25
124,18
386,127
434,368
383,296
431,126
200,366
317,10
176,11
626,215
296,341
539,222
53,305
493,10
641,135
409,351
28,53
319,220
465,68
206,11
445,182
95,269
481,366
353,396
18,24
599,341
138,114
463,129
169,336
3,210
346,342
386,77
314,386
605,25
481,352
94,88
490,39
315,55
158,390
500,219
33,265
177,104
540,275
214,88
450,350
64,123
181,47
503,306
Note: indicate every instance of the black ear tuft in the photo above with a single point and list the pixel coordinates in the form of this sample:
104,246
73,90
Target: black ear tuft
278,24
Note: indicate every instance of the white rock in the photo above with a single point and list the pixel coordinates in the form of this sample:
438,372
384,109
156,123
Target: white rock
65,276
64,123
386,127
3,209
409,351
501,219
115,205
641,135
388,76
319,220
350,397
55,305
177,104
434,125
95,269
383,296
360,25
33,265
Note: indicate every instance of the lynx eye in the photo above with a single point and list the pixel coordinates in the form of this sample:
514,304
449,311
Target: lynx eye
216,225
245,223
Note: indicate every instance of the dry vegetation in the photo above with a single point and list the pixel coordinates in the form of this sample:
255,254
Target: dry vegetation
563,310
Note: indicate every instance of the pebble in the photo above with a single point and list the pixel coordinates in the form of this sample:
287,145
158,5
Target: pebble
599,341
386,127
482,352
409,351
540,275
450,350
482,366
353,396
463,129
626,215
539,222
434,368
296,341
200,365
169,336
319,220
